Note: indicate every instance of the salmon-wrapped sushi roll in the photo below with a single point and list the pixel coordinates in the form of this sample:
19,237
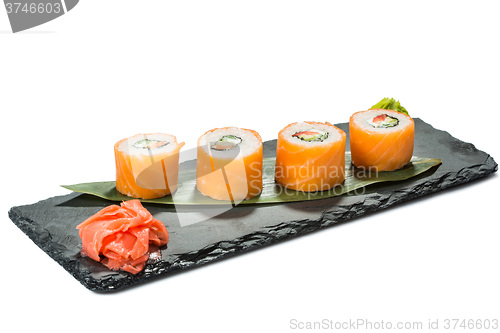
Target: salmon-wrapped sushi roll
229,164
310,156
381,140
147,165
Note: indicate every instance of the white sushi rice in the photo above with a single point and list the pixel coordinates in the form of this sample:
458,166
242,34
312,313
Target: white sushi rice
249,142
334,134
128,145
365,120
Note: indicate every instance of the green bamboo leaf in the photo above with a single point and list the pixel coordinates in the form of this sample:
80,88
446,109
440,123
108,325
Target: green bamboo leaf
272,192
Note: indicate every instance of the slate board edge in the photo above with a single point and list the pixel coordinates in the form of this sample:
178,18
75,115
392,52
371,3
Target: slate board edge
259,239
42,239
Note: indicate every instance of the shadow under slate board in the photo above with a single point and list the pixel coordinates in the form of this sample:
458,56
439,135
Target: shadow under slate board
51,223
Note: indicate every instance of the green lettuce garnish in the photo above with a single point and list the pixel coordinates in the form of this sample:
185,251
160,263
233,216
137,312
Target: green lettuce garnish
390,104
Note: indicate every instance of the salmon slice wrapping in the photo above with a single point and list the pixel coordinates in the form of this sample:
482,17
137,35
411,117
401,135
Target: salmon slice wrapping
120,236
310,156
229,164
381,140
147,165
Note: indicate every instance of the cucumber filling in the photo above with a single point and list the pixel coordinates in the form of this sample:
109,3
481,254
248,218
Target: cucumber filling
383,121
227,142
150,144
311,135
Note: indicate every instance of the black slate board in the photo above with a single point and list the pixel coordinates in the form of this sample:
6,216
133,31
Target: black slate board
51,223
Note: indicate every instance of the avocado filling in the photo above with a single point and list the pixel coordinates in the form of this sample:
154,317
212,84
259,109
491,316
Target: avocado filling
383,121
150,144
311,135
227,142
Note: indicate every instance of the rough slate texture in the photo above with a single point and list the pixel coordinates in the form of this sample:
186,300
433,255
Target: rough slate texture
51,223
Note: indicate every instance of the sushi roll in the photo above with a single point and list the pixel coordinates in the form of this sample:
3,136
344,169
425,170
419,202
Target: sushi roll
381,140
310,156
229,164
147,165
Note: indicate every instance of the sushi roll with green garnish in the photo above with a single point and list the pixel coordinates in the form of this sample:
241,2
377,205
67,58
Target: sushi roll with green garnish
381,139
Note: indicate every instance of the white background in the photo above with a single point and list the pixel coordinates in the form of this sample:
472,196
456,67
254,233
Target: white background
71,88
